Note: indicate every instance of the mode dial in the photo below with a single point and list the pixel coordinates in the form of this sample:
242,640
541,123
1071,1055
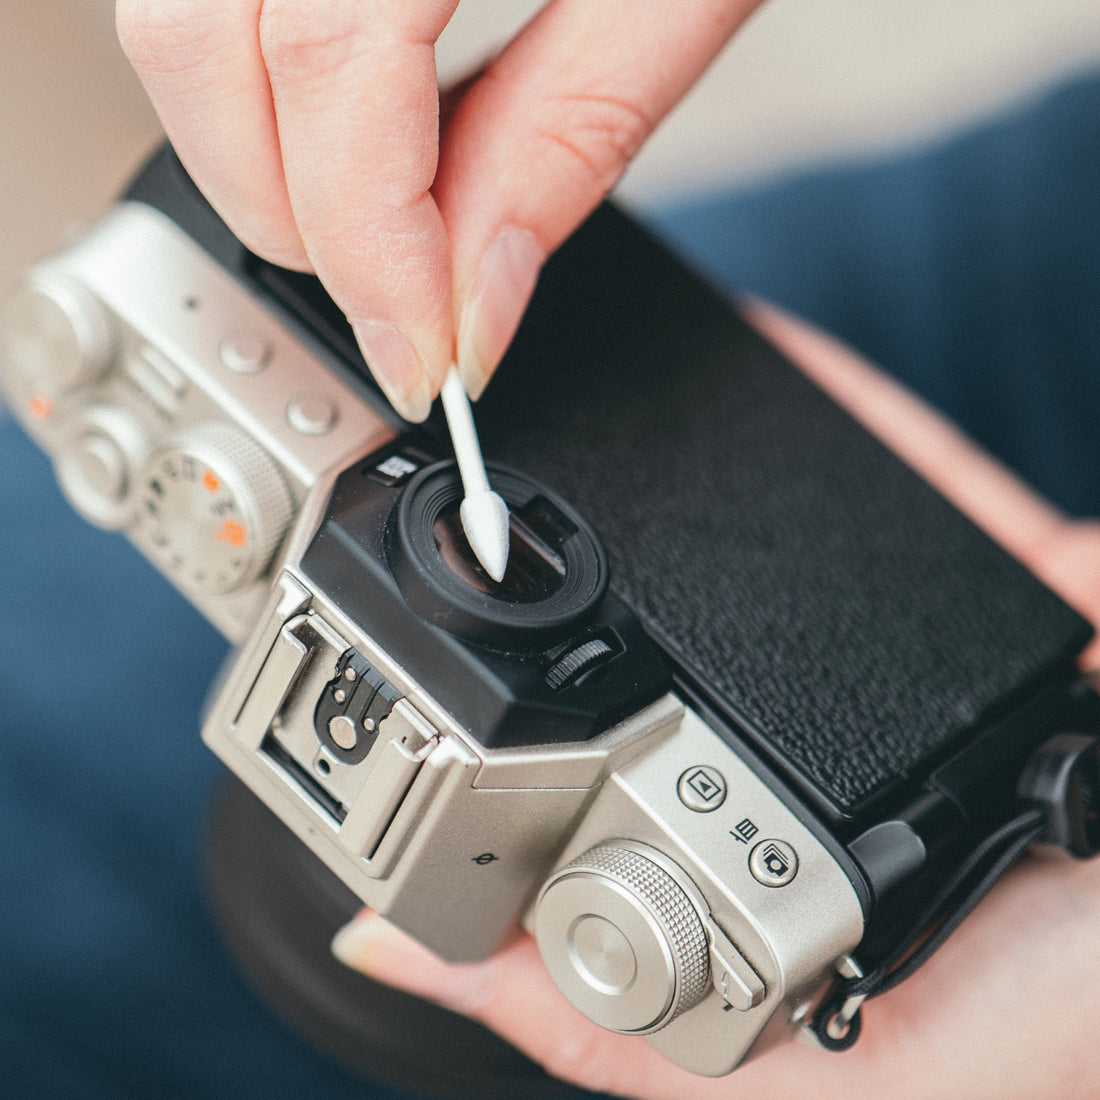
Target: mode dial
622,939
214,507
55,336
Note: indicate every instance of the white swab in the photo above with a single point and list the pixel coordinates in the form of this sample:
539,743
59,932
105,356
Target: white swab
484,514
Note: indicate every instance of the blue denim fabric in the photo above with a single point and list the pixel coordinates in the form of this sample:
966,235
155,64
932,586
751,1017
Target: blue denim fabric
971,269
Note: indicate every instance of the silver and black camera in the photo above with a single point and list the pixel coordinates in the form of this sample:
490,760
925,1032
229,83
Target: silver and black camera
752,720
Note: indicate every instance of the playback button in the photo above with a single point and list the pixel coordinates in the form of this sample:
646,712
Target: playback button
702,789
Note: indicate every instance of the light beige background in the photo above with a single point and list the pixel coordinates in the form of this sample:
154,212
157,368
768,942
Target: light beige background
808,80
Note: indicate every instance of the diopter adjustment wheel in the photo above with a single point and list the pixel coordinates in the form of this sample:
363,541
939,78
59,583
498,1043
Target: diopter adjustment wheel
622,938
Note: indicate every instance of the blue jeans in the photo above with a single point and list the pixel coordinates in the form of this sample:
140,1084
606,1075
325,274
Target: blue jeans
971,270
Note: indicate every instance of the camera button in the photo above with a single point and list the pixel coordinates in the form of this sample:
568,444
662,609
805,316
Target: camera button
311,415
702,789
243,353
773,863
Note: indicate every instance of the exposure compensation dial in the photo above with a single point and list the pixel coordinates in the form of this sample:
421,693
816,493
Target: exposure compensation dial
214,507
622,939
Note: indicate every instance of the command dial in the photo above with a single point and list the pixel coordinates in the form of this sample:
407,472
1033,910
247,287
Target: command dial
55,336
214,507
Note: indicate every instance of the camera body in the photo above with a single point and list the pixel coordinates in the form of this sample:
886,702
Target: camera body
749,693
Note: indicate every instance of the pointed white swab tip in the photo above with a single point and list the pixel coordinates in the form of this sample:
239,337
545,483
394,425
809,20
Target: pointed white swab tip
485,520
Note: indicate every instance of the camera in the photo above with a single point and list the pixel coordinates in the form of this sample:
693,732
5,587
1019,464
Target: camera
754,715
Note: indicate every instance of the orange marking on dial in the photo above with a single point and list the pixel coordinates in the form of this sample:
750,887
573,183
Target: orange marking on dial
210,481
40,406
233,533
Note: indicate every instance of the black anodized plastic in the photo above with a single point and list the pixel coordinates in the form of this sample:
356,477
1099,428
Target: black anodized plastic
486,667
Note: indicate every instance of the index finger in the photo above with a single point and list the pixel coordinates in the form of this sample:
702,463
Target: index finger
357,109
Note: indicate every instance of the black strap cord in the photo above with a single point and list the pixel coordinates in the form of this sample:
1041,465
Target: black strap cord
837,1022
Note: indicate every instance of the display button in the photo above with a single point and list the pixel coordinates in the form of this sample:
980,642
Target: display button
311,415
702,789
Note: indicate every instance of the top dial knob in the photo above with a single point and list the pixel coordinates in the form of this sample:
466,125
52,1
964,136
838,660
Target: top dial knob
214,507
55,336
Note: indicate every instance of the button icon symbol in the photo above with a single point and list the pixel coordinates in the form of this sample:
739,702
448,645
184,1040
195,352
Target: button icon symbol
773,863
484,859
744,832
701,789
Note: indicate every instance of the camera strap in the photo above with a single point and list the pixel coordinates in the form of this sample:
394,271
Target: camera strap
836,1023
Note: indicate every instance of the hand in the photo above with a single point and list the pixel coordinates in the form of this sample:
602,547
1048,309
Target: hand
1006,1008
313,127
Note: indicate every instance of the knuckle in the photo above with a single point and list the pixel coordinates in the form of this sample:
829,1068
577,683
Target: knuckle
303,38
601,132
168,36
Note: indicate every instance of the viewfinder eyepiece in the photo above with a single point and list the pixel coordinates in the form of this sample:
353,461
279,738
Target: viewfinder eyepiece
557,571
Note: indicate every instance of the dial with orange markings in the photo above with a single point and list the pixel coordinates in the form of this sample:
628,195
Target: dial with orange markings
213,508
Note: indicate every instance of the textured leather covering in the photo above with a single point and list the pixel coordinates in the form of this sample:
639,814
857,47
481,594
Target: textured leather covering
818,595
844,615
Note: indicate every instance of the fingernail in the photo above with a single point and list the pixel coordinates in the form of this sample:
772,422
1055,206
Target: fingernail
358,940
505,281
396,367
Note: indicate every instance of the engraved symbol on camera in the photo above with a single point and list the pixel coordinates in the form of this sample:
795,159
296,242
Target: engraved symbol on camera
744,831
773,863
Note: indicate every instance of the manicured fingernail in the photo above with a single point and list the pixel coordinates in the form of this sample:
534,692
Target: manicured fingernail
360,938
396,367
505,281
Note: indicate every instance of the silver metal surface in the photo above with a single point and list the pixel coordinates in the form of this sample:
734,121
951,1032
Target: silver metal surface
786,939
449,839
130,341
622,940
